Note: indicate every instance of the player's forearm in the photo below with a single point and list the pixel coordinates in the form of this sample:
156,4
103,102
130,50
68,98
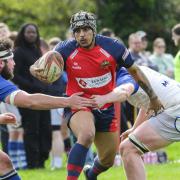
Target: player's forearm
141,117
142,80
41,101
117,95
120,93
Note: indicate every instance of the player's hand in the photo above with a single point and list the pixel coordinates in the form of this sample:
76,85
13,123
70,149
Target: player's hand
125,134
7,118
155,106
99,100
78,102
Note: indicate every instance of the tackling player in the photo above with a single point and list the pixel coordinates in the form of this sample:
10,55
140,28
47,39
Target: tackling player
159,131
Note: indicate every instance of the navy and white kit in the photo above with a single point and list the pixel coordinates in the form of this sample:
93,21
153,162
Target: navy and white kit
167,123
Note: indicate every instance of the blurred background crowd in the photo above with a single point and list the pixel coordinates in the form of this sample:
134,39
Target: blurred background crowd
40,135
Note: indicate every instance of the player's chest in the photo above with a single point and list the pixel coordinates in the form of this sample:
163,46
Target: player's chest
94,63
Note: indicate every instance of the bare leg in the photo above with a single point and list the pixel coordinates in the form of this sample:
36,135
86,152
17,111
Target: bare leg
131,156
5,163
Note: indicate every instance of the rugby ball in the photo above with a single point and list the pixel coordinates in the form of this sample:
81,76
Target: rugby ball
49,67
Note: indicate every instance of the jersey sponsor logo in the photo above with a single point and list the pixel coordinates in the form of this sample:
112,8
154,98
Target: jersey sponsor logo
76,66
94,82
125,55
73,54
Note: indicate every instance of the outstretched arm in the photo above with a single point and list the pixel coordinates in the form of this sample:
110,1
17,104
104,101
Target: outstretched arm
141,79
43,102
141,117
119,94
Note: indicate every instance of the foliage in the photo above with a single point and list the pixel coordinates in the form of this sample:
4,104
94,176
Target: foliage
127,16
51,16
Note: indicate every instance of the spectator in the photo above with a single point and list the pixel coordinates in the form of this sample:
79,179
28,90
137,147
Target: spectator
135,47
36,123
176,39
53,42
56,89
107,32
144,44
4,30
163,60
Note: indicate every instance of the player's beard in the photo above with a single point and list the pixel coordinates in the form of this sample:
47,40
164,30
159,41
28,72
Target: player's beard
6,73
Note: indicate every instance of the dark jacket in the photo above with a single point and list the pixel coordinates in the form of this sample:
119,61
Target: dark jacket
24,57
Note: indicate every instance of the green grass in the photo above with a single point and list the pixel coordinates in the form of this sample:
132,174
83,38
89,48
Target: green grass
168,171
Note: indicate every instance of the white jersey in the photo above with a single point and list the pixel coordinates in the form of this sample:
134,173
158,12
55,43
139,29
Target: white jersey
167,90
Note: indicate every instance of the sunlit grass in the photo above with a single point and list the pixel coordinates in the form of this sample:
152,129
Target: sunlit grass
168,171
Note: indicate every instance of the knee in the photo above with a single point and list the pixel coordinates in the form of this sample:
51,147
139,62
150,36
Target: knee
107,158
5,164
126,149
86,138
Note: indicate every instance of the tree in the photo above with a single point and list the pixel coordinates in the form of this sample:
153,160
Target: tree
156,17
51,16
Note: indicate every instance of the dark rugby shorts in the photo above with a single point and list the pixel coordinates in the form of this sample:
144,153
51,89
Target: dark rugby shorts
105,120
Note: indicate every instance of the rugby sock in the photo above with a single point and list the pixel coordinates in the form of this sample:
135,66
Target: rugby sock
96,170
12,151
76,161
21,155
12,175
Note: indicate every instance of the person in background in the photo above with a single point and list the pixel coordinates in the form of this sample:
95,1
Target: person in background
15,142
53,42
57,89
64,129
176,39
135,47
144,43
107,32
160,58
13,35
4,30
7,171
36,123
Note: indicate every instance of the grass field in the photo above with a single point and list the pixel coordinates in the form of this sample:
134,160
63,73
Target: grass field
168,171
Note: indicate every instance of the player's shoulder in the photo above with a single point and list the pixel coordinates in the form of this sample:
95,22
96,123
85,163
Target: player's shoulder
5,83
65,48
106,41
112,45
66,44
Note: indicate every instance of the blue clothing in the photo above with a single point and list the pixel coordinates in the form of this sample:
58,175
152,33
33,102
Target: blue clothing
112,46
104,120
6,88
123,77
